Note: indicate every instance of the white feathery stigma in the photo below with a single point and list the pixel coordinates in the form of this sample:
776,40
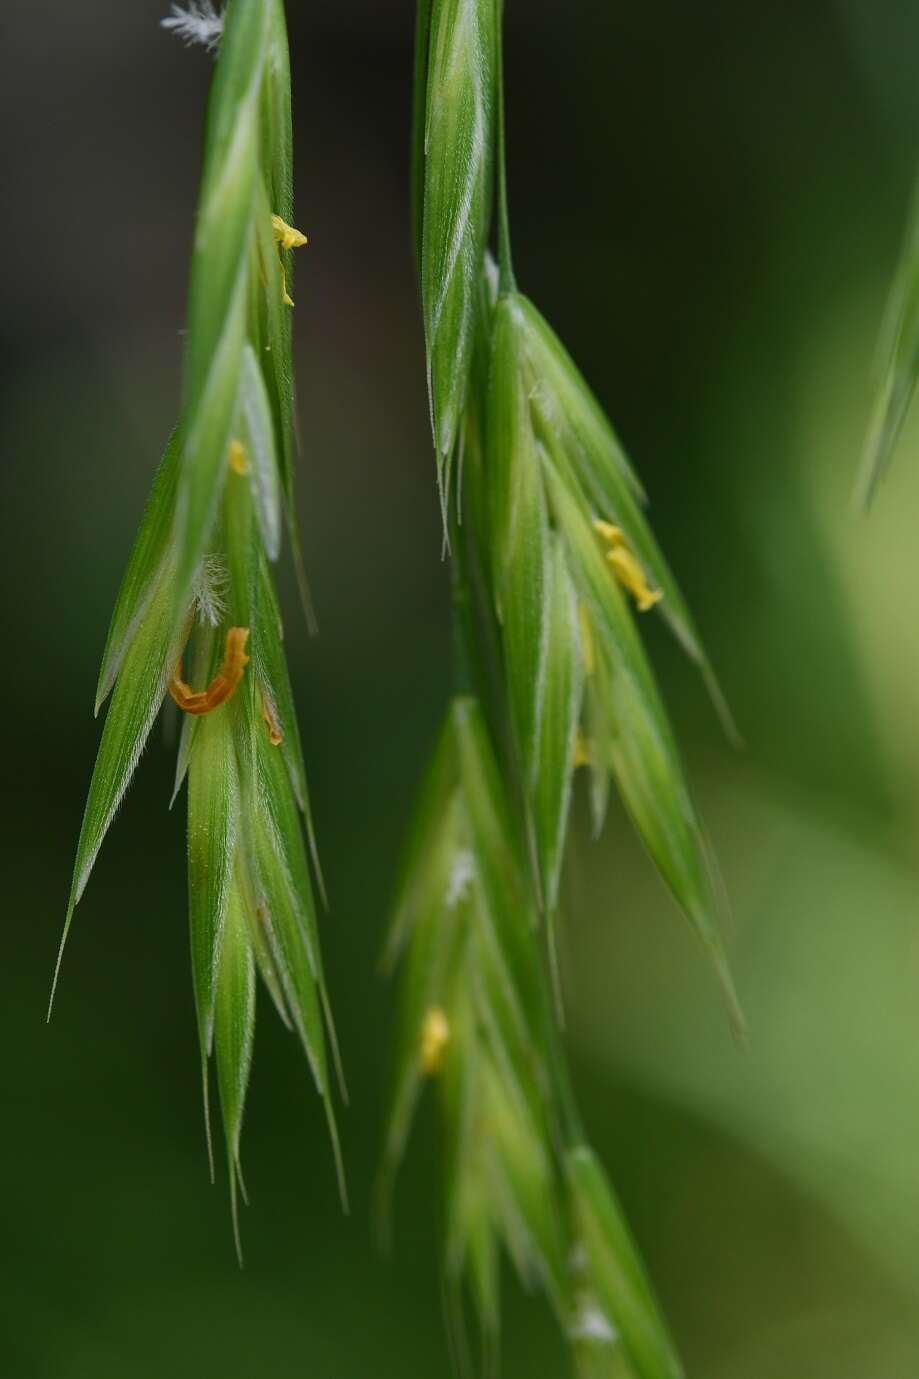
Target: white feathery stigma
209,590
199,22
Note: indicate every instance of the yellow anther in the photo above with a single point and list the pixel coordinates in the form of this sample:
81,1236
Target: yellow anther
286,298
287,238
237,457
582,753
587,640
632,576
435,1035
613,536
224,684
286,235
627,569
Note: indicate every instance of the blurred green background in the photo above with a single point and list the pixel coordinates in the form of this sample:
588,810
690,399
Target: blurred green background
707,201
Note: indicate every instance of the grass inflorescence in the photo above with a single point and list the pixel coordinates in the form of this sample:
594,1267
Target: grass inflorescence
553,559
197,619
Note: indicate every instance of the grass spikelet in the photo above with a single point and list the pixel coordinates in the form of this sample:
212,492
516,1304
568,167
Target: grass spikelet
454,161
474,1023
198,598
555,564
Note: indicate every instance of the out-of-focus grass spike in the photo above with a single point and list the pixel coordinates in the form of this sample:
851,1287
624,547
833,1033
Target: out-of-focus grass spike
898,362
469,1016
615,1273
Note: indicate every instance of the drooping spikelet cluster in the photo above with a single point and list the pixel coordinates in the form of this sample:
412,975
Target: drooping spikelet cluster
475,1017
197,616
550,546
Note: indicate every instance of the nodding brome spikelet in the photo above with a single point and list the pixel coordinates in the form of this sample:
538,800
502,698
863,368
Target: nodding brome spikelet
898,358
198,596
474,1019
567,539
570,547
550,548
454,126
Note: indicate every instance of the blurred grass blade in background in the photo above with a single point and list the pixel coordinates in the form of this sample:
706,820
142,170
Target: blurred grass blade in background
198,592
898,361
474,1018
616,1288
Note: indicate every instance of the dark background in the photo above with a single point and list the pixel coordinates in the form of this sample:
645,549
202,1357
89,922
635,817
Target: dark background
706,201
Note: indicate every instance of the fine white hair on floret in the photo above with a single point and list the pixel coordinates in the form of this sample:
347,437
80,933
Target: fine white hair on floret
199,22
209,590
590,1324
462,875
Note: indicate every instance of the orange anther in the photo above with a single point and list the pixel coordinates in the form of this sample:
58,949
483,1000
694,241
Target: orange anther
270,715
225,682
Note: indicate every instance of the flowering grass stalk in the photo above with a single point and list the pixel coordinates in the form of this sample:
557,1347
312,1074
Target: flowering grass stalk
198,596
475,1017
544,518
